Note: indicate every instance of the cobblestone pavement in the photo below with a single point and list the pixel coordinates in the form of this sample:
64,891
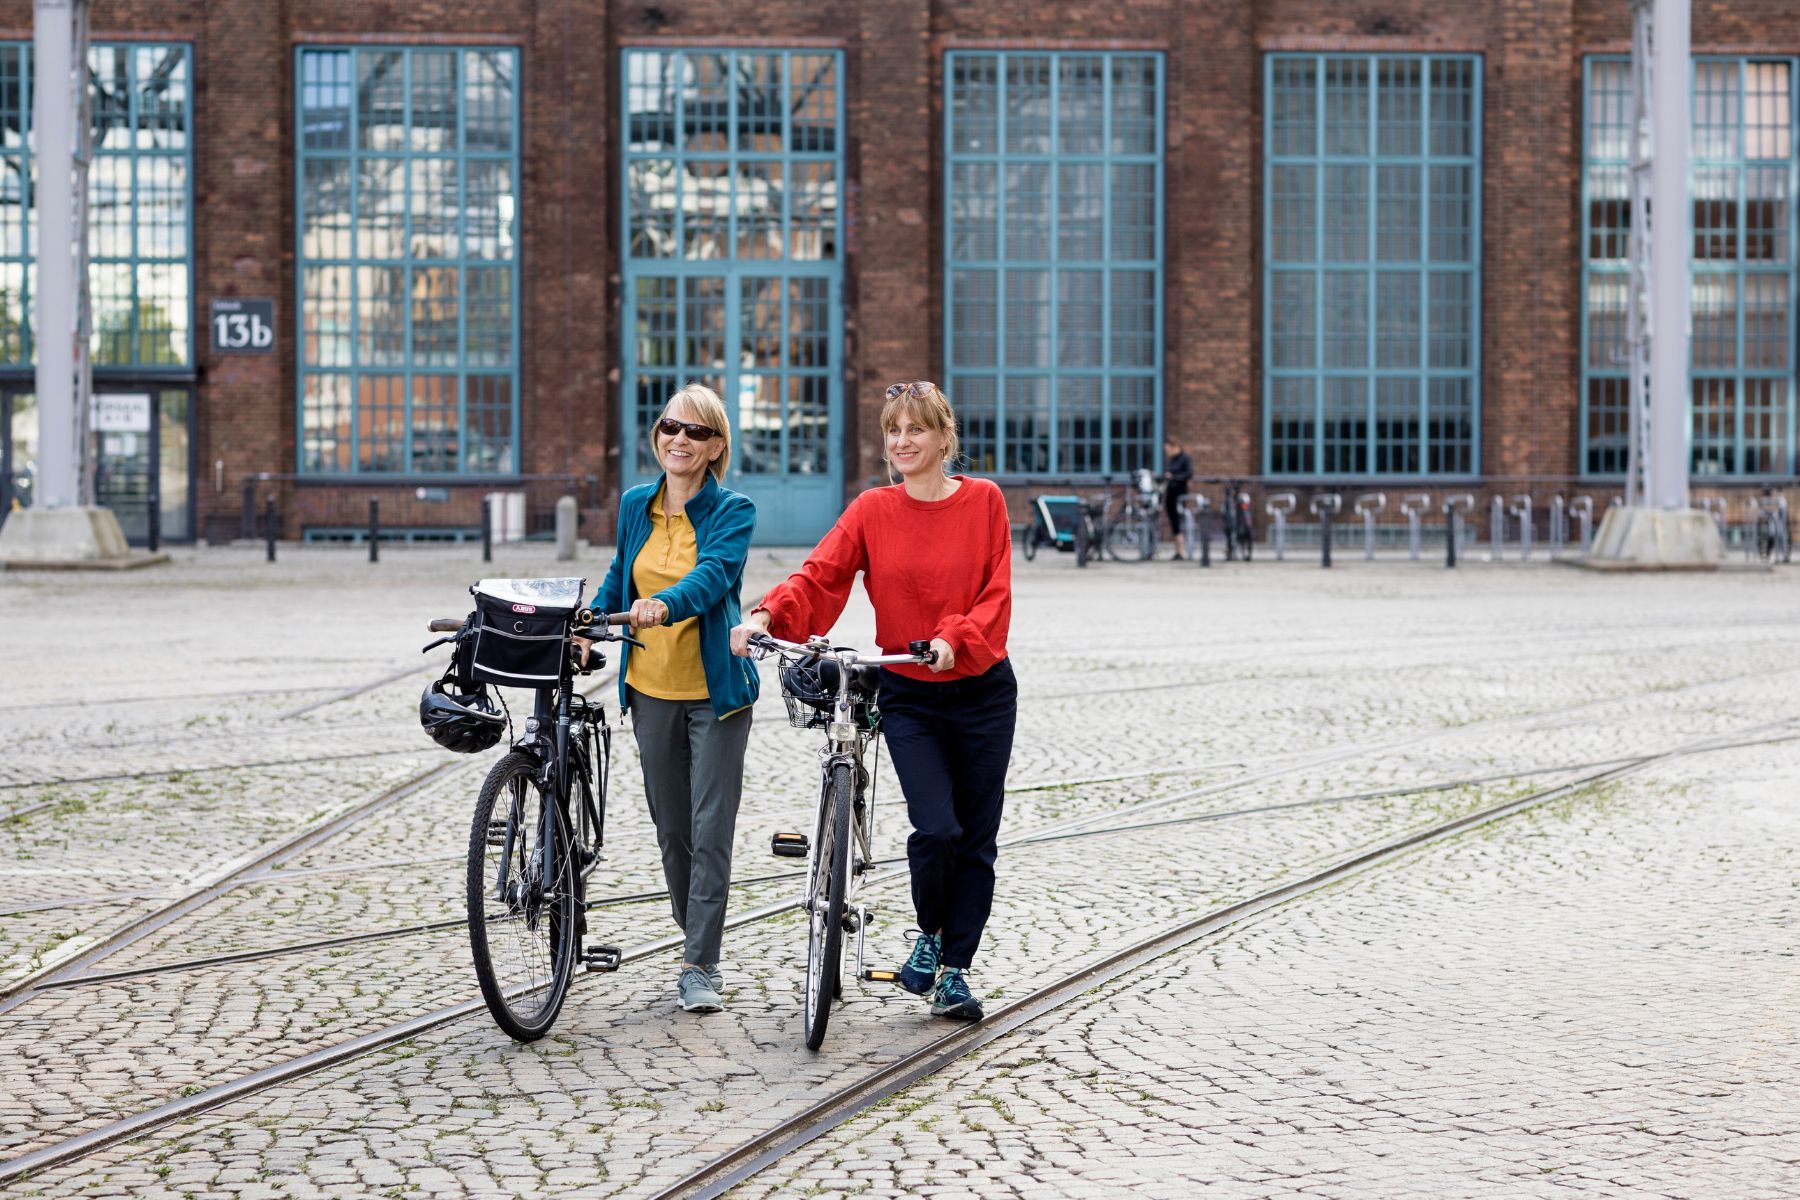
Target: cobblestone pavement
1206,734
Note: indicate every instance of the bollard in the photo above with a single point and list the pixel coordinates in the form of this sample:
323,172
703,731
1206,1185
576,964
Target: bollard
487,529
269,526
1497,529
249,526
1454,508
1192,531
1414,505
154,532
374,529
1521,508
1324,506
1278,507
1367,505
565,528
1583,508
1557,520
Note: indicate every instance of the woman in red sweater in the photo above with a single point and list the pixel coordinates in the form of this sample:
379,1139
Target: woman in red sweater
935,553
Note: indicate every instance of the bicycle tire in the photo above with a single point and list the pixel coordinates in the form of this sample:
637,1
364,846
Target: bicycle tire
1130,539
523,944
1081,544
1028,545
825,920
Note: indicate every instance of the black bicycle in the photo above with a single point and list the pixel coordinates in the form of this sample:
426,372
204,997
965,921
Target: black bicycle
540,818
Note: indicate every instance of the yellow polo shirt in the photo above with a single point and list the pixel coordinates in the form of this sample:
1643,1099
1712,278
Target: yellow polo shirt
668,667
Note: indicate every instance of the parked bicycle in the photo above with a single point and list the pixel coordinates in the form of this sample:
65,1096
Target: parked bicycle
1131,536
834,688
540,817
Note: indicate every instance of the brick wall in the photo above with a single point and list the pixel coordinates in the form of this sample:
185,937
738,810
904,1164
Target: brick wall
1531,52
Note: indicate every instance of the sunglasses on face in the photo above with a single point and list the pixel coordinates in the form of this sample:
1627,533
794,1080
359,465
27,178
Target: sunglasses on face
918,388
669,426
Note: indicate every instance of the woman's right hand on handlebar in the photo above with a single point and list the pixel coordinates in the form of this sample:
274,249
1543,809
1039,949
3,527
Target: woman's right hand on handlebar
755,623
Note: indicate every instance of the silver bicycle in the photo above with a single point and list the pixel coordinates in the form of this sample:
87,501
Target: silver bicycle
834,688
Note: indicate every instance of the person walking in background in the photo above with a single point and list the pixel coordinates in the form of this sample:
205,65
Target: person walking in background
1178,471
935,552
679,568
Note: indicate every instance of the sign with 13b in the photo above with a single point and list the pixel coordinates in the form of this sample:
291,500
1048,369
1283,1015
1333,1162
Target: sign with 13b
243,326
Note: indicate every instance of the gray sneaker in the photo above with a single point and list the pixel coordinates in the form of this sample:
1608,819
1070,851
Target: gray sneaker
697,991
715,977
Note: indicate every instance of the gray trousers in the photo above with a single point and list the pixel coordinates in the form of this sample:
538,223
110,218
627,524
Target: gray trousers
693,779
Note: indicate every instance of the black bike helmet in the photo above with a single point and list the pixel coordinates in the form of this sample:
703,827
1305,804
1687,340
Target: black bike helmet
466,722
814,682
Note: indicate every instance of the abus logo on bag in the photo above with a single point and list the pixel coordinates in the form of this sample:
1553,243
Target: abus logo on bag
525,608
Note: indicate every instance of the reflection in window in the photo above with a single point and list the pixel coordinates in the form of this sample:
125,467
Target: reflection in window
1373,252
1052,257
140,196
1743,222
408,174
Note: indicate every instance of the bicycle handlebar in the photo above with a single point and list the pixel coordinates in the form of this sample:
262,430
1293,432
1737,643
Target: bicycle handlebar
768,643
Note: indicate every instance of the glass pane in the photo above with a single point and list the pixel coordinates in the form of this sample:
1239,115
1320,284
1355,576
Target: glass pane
1133,304
760,128
1452,318
1397,425
758,448
1134,206
160,74
973,309
1714,438
434,95
809,323
1293,213
381,100
1716,115
380,422
650,87
1080,104
109,211
1131,416
1293,301
1397,319
809,425
161,307
172,485
1397,214
1398,99
1453,108
1345,319
1608,295
1027,104
325,415
325,324
1027,423
1028,318
813,104
488,424
1292,419
1450,426
703,309
380,208
759,190
435,423
109,294
381,304
657,317
975,408
436,217
1715,321
325,99
434,315
1767,215
759,323
1080,305
1453,214
325,208
1768,109
490,213
1294,107
1765,426
1715,195
1080,423
1134,112
488,92
1081,211
653,199
1346,214
812,211
706,104
1346,106
1768,324
974,95
1345,445
488,316
1027,211
706,201
974,211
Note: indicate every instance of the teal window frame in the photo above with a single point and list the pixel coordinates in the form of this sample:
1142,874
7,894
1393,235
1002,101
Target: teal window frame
139,258
722,325
1719,221
1088,398
1389,366
408,366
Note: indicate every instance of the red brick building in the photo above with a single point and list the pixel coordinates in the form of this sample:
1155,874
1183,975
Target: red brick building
1360,241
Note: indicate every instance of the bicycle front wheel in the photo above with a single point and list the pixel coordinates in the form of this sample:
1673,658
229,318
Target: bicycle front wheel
825,903
522,914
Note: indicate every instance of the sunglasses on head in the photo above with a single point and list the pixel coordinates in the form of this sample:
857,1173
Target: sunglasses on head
919,388
700,433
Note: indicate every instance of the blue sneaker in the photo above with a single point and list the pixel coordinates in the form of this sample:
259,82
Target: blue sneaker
696,992
952,997
919,974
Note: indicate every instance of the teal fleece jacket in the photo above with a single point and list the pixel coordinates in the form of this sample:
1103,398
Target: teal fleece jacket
723,521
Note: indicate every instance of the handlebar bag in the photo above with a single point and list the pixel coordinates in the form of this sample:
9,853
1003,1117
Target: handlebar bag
522,630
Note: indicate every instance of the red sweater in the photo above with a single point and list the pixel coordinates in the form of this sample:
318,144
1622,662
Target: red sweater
941,569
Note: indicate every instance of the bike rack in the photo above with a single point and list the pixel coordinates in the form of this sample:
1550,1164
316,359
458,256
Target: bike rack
1582,509
1324,507
1497,529
1559,520
1521,508
1366,506
1454,508
1414,504
1278,507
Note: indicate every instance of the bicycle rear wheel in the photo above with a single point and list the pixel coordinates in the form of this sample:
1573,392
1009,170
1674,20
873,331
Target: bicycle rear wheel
1131,539
522,935
825,914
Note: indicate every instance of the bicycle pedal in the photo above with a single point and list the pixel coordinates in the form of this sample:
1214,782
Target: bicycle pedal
496,833
602,958
790,845
880,975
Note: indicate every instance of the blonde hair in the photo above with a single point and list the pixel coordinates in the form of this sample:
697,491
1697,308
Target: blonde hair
932,410
711,410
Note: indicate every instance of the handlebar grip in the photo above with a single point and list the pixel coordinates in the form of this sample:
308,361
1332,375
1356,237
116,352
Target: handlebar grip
444,624
923,650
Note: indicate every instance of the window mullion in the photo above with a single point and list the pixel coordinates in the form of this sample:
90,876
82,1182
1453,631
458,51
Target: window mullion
1001,359
1106,262
1053,273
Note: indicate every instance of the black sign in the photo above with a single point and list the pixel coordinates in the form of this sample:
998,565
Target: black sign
243,326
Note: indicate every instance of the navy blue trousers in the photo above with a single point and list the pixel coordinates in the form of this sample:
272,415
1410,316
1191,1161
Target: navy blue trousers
950,743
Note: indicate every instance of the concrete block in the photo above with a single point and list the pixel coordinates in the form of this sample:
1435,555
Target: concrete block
68,539
1647,539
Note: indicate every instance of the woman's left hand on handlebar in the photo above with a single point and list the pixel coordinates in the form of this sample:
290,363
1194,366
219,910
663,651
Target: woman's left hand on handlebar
946,657
648,612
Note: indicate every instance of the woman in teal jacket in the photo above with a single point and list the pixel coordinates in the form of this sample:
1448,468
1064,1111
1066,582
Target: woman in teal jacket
678,570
